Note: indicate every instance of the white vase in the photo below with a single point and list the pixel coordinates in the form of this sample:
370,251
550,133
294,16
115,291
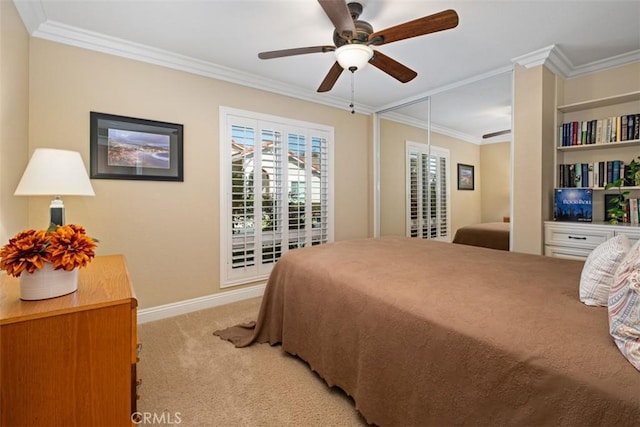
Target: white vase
47,283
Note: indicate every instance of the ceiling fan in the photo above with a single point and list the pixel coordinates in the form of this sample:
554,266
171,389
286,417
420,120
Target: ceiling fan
353,40
494,134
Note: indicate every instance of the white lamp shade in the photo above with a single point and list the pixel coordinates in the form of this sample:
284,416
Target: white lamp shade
52,172
353,55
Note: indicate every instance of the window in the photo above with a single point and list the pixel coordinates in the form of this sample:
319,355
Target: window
427,192
287,205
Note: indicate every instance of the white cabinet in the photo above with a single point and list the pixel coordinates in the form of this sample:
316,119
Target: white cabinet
633,233
576,240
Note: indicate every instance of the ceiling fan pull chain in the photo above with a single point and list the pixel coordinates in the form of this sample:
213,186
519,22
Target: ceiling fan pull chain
353,111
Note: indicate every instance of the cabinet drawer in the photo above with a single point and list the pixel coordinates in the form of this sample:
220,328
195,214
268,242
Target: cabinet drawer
567,252
576,237
633,235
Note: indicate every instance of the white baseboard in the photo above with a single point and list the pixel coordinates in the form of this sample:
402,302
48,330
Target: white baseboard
177,308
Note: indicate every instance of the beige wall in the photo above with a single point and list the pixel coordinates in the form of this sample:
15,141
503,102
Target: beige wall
465,205
393,137
604,84
495,175
168,231
548,150
14,118
533,151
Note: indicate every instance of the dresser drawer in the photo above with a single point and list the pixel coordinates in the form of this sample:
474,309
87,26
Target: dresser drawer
567,252
632,234
576,237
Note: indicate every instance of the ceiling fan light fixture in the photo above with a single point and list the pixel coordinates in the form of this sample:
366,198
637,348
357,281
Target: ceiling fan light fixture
353,56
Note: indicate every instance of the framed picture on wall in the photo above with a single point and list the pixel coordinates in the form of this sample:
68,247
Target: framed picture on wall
465,177
129,148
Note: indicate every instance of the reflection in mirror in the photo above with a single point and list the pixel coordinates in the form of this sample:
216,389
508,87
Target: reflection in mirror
422,142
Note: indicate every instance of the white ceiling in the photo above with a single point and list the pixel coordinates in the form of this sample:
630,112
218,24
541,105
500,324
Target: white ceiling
221,39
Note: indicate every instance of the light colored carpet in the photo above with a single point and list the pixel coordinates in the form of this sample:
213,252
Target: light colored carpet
190,375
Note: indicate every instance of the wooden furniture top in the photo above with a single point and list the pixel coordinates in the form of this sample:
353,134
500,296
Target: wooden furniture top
103,282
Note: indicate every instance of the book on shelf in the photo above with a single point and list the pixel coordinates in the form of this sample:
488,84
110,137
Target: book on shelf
602,131
631,209
573,204
594,174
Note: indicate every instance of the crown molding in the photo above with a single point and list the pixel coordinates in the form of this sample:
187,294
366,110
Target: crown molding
551,57
32,14
421,124
555,60
455,134
35,20
73,36
604,64
442,130
425,95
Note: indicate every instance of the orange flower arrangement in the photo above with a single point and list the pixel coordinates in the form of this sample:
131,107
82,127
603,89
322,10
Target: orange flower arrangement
66,247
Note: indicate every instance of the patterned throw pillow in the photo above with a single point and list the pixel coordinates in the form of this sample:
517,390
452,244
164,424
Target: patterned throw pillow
624,306
599,269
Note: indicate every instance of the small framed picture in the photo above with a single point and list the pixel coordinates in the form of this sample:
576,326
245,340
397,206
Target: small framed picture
465,177
573,204
129,148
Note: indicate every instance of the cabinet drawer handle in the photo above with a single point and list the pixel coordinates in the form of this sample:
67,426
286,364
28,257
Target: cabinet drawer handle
577,238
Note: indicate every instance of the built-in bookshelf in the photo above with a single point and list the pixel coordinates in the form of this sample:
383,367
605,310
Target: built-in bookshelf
599,131
595,175
601,144
570,148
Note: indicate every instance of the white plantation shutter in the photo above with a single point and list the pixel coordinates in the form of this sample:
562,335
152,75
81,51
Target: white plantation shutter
276,191
427,180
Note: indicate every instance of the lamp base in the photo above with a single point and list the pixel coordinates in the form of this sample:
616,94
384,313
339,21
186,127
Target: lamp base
56,210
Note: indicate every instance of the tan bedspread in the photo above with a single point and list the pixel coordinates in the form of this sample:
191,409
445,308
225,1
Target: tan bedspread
430,333
493,235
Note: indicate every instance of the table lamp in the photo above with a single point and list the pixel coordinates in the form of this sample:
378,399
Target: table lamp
52,172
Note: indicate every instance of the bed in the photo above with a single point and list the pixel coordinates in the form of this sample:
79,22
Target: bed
493,235
430,333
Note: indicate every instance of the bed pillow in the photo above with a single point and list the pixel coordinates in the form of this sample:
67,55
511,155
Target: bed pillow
599,269
624,306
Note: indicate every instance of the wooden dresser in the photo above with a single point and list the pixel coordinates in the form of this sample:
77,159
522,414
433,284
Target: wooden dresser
71,360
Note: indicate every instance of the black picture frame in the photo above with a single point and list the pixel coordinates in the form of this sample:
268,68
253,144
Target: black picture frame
137,149
466,179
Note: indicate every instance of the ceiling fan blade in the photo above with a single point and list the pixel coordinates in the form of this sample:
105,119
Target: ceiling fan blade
429,24
339,14
392,67
296,51
498,133
331,78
